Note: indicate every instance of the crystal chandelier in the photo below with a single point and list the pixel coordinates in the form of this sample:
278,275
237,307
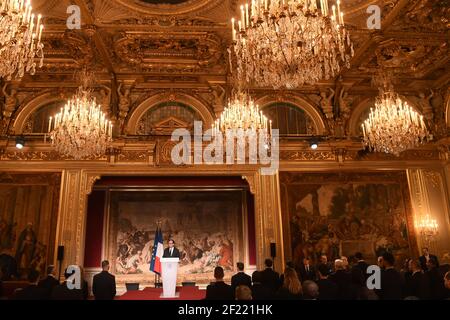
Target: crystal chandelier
393,126
288,43
20,39
80,129
243,113
428,228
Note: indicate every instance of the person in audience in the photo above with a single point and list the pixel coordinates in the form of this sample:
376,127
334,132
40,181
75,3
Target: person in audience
391,280
406,270
62,291
437,289
346,263
1,284
243,292
447,285
32,291
291,288
8,266
447,280
343,280
328,290
289,264
49,282
270,278
307,271
380,262
219,290
104,284
240,278
358,279
310,290
361,264
84,284
324,261
259,291
425,257
417,284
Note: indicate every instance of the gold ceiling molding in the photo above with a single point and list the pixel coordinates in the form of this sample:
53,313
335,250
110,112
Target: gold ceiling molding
162,51
187,7
299,102
151,102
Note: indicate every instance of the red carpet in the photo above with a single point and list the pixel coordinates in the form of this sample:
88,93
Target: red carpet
186,293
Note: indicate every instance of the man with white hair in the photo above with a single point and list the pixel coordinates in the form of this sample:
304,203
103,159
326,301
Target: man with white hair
310,290
343,279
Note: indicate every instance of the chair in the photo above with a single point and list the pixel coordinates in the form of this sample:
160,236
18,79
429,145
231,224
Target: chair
132,286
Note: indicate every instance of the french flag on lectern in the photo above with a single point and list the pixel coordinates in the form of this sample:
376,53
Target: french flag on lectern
157,253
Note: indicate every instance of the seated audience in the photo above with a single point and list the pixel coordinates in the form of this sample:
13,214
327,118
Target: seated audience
310,290
62,291
291,288
307,271
343,280
391,280
437,289
32,291
328,290
270,278
219,290
49,282
243,292
104,284
425,257
240,278
259,291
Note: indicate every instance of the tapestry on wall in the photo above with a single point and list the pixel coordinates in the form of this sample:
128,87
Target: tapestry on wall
206,226
341,214
28,212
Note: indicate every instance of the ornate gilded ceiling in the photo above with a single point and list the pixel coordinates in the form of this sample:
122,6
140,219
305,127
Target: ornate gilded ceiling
179,48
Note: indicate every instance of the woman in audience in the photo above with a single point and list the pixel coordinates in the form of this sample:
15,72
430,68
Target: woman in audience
292,288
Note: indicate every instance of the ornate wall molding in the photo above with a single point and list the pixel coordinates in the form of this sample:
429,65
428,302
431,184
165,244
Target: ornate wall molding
300,103
32,106
153,101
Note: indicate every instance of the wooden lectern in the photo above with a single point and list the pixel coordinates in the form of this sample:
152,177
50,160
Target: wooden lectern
169,268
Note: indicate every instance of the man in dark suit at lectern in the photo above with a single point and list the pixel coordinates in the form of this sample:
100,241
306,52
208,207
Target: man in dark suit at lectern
171,251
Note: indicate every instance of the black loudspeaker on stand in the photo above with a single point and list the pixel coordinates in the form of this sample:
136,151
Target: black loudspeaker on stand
60,258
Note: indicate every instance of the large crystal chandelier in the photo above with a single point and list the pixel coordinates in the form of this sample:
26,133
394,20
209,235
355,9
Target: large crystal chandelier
80,130
243,113
20,39
393,126
288,43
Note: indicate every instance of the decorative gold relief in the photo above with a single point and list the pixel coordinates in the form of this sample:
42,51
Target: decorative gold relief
434,177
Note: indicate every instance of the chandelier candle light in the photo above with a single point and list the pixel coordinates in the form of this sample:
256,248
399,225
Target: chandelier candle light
243,113
20,39
428,228
80,129
288,43
393,126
